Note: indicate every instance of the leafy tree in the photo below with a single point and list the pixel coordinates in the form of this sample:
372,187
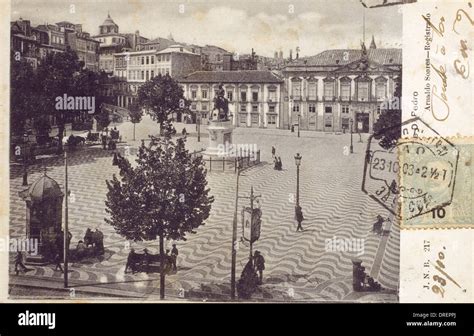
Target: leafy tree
161,96
102,117
23,95
56,76
163,196
135,113
387,128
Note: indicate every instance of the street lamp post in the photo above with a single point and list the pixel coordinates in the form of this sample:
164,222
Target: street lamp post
251,221
298,158
298,125
199,127
66,226
352,147
234,235
25,159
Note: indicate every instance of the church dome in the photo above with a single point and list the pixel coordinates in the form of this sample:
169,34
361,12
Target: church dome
109,21
44,188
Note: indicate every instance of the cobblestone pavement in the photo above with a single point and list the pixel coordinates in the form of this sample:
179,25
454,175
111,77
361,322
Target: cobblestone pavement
298,264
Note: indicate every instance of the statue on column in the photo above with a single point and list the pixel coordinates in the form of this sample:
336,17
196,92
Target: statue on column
221,104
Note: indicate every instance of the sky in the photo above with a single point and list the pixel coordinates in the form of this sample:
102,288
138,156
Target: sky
238,26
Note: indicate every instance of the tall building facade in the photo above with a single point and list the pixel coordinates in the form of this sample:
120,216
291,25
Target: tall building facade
82,43
23,42
136,67
254,96
34,43
112,42
330,89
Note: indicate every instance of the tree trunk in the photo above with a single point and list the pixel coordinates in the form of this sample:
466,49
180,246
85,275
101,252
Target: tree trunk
134,131
162,267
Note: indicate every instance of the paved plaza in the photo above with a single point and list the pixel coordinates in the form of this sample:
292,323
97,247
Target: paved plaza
298,265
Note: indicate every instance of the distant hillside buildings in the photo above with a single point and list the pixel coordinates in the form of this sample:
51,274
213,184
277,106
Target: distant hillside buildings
34,43
324,92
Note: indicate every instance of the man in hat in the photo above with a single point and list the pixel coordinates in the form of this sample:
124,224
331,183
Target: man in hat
19,262
131,261
146,259
299,217
259,263
377,227
57,262
174,256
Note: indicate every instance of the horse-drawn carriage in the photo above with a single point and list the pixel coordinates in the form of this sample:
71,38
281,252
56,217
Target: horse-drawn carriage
93,137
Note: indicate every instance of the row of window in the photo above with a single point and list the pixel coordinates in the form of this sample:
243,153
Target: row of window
243,108
327,109
146,74
142,60
106,64
230,95
108,29
114,40
271,119
142,74
362,89
57,39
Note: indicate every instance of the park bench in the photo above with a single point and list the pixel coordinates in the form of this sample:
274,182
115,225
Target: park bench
150,263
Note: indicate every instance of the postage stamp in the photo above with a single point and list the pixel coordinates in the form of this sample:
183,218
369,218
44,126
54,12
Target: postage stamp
436,180
423,178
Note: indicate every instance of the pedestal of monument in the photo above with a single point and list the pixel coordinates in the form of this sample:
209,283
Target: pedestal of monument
220,137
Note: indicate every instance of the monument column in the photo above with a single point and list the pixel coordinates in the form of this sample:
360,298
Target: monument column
220,127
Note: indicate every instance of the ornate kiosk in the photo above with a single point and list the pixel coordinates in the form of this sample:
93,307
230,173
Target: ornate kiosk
44,200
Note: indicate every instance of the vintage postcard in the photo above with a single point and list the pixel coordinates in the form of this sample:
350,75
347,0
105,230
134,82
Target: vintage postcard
238,151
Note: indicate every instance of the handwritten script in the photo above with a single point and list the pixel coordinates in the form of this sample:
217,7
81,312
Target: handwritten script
461,25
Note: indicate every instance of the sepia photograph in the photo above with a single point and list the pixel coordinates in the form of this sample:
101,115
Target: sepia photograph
205,151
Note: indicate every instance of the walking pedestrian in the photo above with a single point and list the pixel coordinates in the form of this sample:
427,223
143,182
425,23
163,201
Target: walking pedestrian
104,138
130,261
299,218
19,262
146,259
174,256
57,261
279,164
377,227
259,263
273,152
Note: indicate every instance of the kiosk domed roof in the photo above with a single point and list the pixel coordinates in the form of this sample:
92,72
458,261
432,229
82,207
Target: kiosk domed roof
44,188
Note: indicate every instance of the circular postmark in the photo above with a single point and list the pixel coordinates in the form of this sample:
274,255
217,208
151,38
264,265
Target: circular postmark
414,175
